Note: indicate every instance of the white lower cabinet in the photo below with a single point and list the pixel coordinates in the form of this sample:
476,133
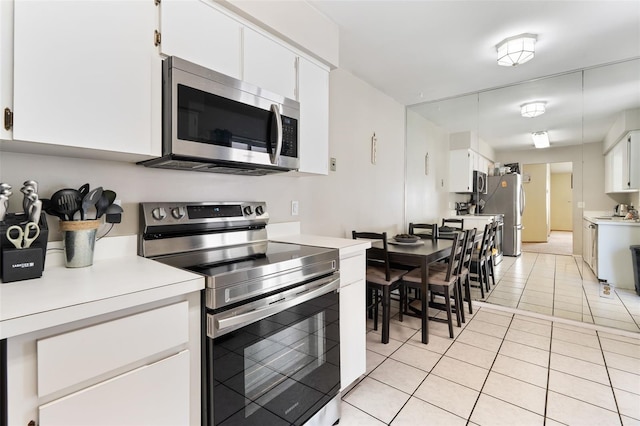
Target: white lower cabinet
135,367
153,395
353,356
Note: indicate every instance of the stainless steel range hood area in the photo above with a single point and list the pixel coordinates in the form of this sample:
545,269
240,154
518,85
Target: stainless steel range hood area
215,123
210,166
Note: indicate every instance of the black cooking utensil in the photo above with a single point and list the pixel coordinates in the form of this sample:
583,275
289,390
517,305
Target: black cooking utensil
89,200
111,195
102,205
84,189
47,206
66,202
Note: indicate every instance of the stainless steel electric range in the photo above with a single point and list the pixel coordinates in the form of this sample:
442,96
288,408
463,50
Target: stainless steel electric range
270,316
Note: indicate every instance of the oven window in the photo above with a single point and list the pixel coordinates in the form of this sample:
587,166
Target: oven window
277,371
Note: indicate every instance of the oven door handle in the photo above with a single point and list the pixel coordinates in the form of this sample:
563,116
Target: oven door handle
258,314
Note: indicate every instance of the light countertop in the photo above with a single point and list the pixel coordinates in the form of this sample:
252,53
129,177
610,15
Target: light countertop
345,245
65,294
613,221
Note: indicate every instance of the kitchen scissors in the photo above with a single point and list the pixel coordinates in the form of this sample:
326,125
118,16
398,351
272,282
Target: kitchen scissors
24,237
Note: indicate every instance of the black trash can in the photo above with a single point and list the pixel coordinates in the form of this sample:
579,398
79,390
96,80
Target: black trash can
635,259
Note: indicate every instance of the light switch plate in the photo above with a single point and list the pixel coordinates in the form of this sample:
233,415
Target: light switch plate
294,208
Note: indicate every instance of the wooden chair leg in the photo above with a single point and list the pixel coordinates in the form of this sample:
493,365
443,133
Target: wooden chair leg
459,300
376,302
402,290
467,289
386,313
480,279
456,298
447,302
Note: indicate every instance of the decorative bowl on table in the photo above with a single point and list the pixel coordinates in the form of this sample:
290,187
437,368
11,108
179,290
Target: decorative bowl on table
406,238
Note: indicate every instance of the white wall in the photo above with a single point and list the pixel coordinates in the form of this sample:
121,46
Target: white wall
427,195
358,196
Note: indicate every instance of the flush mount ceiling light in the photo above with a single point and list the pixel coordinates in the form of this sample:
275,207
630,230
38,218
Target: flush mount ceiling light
540,139
516,50
532,109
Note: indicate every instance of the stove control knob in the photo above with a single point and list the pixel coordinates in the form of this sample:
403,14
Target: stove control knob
177,212
247,211
159,213
259,210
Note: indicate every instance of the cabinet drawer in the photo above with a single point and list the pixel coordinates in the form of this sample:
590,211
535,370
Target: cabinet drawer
153,395
94,351
352,269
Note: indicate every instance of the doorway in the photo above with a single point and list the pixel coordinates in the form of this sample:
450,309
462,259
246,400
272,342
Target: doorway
548,218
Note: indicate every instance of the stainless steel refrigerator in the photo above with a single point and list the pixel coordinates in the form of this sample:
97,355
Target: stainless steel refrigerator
505,195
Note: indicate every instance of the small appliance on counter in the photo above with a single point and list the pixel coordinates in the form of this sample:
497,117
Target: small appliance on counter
621,210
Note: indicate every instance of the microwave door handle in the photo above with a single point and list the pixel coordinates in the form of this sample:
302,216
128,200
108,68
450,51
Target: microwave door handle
275,156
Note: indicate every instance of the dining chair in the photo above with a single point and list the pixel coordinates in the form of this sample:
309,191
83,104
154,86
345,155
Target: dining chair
462,272
465,267
479,267
381,280
453,223
442,281
431,228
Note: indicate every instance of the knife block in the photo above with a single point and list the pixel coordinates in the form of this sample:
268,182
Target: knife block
15,264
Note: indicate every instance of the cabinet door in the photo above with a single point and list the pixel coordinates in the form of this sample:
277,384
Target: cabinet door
460,170
6,62
608,172
87,74
156,394
353,346
196,31
618,164
314,117
634,160
269,65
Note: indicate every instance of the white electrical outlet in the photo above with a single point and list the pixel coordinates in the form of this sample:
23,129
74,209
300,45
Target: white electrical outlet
294,208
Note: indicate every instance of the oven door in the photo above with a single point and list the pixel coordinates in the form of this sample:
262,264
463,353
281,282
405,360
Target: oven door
280,364
211,116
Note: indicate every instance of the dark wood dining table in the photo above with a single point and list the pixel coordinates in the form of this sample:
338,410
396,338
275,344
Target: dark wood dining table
419,255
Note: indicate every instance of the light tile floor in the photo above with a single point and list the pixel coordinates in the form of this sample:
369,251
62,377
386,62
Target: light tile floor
504,366
562,286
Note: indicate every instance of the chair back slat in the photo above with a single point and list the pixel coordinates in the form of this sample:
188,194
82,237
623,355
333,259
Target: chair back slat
468,252
453,223
486,240
433,227
454,257
384,252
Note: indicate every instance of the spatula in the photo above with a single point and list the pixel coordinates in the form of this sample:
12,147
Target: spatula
66,202
90,200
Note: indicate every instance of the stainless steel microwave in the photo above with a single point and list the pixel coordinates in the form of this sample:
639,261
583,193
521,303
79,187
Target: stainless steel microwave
214,123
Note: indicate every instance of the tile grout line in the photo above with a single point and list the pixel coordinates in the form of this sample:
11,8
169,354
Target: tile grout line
604,359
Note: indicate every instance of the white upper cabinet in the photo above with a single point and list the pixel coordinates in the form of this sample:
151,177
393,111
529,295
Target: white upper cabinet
269,65
314,117
622,165
461,166
196,31
87,74
633,141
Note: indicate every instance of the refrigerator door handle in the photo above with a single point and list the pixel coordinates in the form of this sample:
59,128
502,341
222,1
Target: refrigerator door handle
523,200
